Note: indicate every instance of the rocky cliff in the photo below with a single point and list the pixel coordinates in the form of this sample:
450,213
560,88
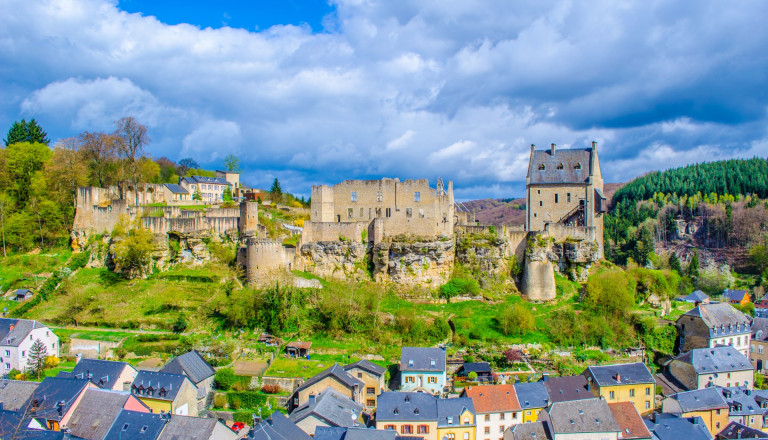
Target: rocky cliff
334,259
544,256
414,262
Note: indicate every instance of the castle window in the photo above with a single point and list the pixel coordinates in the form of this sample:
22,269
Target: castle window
349,212
354,196
389,212
557,198
538,191
408,212
541,203
421,213
577,166
560,167
379,196
416,196
542,167
362,212
569,197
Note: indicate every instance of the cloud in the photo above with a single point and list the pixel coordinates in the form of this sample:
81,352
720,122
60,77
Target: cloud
403,89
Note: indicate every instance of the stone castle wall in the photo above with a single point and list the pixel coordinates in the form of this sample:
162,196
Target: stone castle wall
163,225
264,256
322,231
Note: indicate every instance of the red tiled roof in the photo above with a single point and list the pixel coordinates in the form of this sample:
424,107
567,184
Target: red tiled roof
493,398
300,345
629,421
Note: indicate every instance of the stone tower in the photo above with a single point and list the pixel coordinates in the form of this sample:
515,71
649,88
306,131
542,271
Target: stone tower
249,218
322,204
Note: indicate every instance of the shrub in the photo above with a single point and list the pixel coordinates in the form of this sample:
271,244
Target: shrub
246,399
225,378
472,376
235,403
51,362
610,293
459,286
220,400
271,389
78,261
516,320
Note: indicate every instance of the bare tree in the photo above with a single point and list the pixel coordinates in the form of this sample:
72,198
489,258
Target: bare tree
131,138
99,149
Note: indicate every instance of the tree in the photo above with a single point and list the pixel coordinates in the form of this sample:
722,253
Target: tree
693,267
197,195
180,324
133,248
23,161
516,320
227,196
232,163
5,204
186,165
36,360
26,132
131,138
276,192
100,151
472,376
610,293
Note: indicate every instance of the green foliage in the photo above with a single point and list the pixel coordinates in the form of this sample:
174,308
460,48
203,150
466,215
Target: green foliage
197,195
674,263
714,279
472,376
133,249
460,287
181,324
760,381
276,191
219,400
693,266
664,283
516,320
232,163
36,361
26,132
748,308
226,197
24,164
660,338
758,256
224,379
610,293
246,399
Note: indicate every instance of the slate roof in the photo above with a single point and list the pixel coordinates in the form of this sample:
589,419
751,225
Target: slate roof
734,295
22,292
53,390
15,393
532,395
190,364
207,180
669,427
136,425
396,406
368,366
561,389
477,367
745,402
736,430
337,433
103,374
575,166
760,329
96,412
188,428
336,372
427,359
330,406
582,416
528,431
449,410
695,296
176,189
629,420
277,427
704,399
170,383
620,374
721,317
493,398
720,359
21,328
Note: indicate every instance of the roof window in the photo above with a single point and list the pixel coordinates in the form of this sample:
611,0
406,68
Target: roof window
542,167
560,167
577,166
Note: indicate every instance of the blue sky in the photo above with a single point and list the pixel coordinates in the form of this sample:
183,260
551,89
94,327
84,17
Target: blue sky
317,92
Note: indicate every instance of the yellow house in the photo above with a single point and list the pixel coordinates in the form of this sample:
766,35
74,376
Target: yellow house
333,377
707,403
456,419
533,397
624,383
424,415
372,376
166,392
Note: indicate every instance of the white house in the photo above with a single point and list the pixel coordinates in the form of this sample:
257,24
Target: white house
16,339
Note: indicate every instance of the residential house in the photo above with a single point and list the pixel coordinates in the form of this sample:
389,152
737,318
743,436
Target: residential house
624,383
15,393
671,427
565,388
736,430
708,325
269,340
740,297
422,369
22,295
762,303
758,348
98,410
496,408
533,397
277,427
231,177
481,369
55,400
335,378
16,339
200,372
423,414
298,349
373,377
137,425
696,297
722,366
630,423
211,189
110,375
176,193
529,431
746,406
329,408
196,428
337,433
581,419
707,403
13,425
166,392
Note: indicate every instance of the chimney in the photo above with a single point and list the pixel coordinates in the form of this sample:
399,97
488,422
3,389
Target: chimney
594,145
553,148
11,327
60,406
78,357
533,147
618,377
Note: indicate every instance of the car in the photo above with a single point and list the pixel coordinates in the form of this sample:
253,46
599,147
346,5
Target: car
238,426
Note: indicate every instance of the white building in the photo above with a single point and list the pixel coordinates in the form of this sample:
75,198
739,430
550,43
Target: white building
497,409
16,339
211,188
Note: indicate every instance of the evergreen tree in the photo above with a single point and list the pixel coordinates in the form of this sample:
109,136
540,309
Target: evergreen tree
227,196
37,355
693,267
197,194
674,263
276,191
26,132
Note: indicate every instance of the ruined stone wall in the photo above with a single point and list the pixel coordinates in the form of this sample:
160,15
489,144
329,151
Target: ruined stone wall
265,256
162,225
222,212
314,231
249,218
143,193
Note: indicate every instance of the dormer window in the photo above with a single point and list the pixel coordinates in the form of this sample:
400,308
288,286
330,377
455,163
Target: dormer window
560,167
542,167
450,420
577,166
396,411
410,362
432,363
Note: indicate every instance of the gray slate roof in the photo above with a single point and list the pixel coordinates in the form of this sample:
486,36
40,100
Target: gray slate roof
745,402
427,359
202,179
736,430
21,328
102,373
669,427
760,329
449,410
532,395
720,359
734,295
53,390
620,374
561,389
568,158
190,364
277,427
332,407
406,406
14,393
337,433
188,428
170,383
136,426
528,431
368,366
176,189
582,416
477,367
722,317
695,296
699,400
338,373
96,412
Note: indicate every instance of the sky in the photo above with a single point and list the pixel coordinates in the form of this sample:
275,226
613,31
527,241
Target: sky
316,92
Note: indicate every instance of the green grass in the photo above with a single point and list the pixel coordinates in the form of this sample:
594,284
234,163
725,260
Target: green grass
91,335
288,367
26,270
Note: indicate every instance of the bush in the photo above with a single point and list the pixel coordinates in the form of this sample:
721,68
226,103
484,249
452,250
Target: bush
225,378
271,389
78,261
610,293
235,403
516,320
220,400
460,286
246,399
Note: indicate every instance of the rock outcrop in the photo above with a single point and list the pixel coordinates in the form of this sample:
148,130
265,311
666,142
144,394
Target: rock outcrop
420,262
544,256
334,259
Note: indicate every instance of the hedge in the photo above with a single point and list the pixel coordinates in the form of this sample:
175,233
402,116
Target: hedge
248,399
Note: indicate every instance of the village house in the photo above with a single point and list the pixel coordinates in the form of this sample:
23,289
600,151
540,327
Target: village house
707,403
200,372
211,189
422,369
671,427
298,349
533,398
194,428
482,371
581,419
137,425
328,408
97,411
15,393
277,427
55,400
630,423
722,366
16,339
746,406
176,193
624,383
708,325
564,388
424,415
361,433
740,297
758,348
736,430
166,393
496,408
335,378
373,377
762,303
22,295
529,431
696,297
110,375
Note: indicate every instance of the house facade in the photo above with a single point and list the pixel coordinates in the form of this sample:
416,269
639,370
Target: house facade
334,378
497,409
533,398
329,408
721,366
740,297
373,378
581,420
166,393
707,403
758,347
211,189
422,369
110,375
16,339
424,415
708,325
624,383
